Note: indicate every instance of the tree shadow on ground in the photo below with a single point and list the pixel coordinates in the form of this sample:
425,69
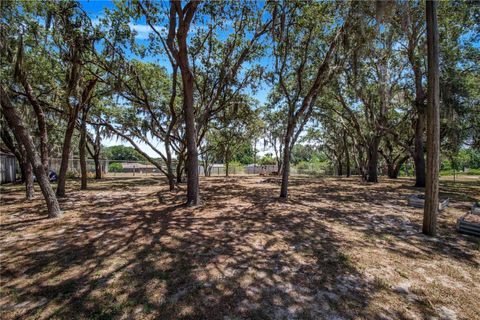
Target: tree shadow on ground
243,254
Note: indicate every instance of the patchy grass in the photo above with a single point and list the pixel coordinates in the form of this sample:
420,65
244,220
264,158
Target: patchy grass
336,249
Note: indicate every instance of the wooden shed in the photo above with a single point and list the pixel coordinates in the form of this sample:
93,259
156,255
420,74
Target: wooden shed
8,167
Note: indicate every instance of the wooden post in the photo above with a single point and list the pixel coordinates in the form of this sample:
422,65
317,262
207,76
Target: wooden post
433,123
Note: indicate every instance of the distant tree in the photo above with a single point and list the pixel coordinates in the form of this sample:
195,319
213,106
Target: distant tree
122,153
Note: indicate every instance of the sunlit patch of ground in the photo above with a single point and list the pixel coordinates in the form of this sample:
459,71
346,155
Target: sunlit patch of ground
336,249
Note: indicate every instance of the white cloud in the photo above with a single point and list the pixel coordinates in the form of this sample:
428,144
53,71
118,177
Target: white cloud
144,30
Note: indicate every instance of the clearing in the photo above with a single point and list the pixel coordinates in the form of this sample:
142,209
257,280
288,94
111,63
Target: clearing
336,249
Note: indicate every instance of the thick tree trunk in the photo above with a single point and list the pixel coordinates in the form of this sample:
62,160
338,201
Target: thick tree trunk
373,160
433,123
180,19
418,157
98,167
339,168
29,190
193,192
82,151
392,171
67,141
16,125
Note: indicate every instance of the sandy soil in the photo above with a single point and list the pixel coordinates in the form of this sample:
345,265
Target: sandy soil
336,249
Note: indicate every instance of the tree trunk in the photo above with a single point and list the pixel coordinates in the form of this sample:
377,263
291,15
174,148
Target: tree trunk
98,167
286,161
339,168
29,190
41,120
227,164
433,123
179,169
373,160
83,156
392,171
15,123
67,141
96,154
347,154
170,175
180,20
418,157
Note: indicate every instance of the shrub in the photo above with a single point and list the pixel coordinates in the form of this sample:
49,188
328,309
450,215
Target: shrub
267,160
235,167
72,174
115,167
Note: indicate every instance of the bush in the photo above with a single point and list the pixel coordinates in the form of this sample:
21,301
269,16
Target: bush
115,167
235,167
267,160
72,174
312,167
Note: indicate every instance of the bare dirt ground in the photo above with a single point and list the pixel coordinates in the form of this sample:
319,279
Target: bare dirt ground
336,249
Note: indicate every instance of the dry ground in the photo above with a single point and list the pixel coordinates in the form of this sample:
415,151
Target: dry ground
337,249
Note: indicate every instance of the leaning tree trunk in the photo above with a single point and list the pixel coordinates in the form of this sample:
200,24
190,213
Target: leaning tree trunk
41,120
67,141
15,123
82,148
339,168
433,123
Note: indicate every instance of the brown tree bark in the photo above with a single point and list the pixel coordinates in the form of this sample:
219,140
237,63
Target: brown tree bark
286,158
418,156
433,123
16,125
29,189
82,151
67,140
41,120
373,160
180,20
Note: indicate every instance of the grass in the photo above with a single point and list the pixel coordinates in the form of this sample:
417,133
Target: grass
335,248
